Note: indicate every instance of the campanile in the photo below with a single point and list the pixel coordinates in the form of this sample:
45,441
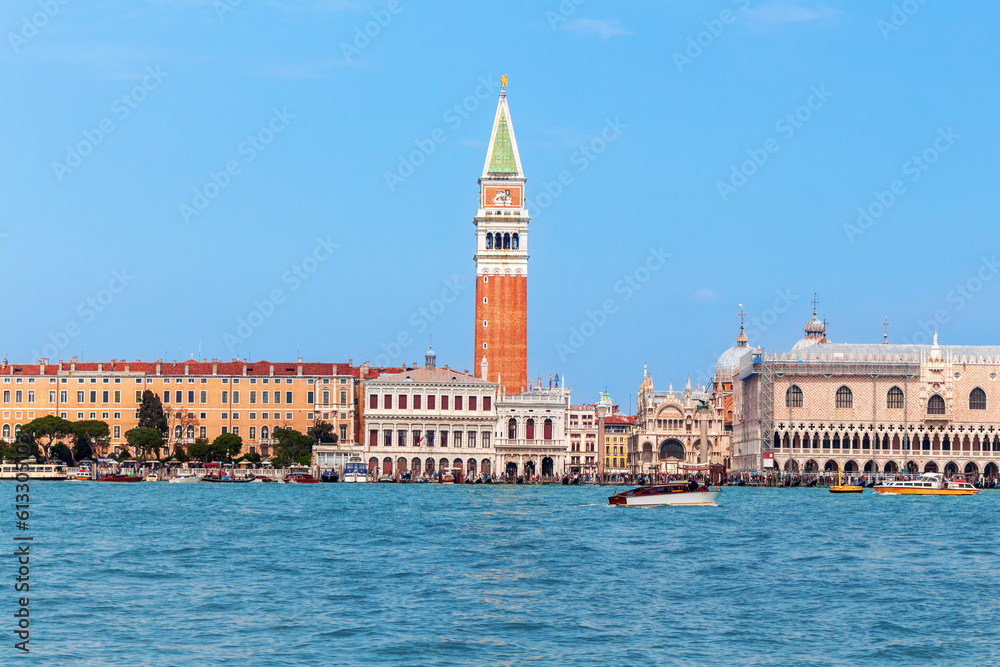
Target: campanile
502,260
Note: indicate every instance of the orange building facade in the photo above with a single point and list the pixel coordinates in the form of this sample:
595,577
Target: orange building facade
501,351
200,399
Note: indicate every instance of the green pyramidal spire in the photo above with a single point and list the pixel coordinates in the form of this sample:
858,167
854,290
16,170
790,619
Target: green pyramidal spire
503,160
502,157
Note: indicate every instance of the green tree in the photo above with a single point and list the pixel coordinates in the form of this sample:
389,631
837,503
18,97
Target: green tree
10,452
181,455
89,436
51,428
323,433
143,440
60,452
200,450
226,446
151,412
292,446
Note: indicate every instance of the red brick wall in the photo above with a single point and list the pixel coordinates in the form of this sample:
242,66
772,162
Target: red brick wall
506,330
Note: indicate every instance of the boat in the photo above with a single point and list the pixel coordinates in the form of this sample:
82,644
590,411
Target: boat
387,479
120,478
301,478
329,476
355,471
152,477
36,472
447,477
83,474
927,484
186,477
840,487
225,480
671,493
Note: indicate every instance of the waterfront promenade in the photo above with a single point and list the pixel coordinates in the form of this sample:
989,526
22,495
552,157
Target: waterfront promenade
407,574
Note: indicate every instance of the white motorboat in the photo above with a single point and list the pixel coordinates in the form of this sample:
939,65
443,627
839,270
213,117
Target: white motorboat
355,471
671,493
186,477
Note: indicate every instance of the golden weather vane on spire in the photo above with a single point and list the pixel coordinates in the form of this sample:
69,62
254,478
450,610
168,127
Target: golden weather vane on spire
503,80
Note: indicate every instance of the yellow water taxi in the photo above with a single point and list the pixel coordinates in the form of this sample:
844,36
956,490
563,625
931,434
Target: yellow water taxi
840,487
928,484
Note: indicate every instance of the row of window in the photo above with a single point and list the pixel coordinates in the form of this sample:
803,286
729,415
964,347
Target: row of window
529,429
502,242
178,395
166,380
427,438
863,443
894,399
432,401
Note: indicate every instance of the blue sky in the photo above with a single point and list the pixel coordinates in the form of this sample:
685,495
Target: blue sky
245,171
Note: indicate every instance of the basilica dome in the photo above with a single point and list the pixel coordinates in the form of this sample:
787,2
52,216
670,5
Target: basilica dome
731,357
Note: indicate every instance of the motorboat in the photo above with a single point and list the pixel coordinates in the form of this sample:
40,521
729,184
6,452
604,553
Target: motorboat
186,477
928,484
355,471
671,493
121,478
386,479
301,478
83,474
226,480
840,487
152,477
36,472
329,476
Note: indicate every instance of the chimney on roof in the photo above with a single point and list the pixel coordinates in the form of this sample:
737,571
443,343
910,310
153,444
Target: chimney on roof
350,362
300,366
158,361
126,368
186,369
272,370
244,368
100,367
300,360
72,365
215,367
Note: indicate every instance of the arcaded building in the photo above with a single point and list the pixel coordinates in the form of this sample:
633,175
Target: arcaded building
823,407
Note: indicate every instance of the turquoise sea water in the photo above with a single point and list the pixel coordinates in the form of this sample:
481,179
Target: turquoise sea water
342,574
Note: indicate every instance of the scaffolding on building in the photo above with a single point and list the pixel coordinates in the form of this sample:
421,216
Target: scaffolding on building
759,371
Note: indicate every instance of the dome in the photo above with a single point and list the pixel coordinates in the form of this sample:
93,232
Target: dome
808,341
732,356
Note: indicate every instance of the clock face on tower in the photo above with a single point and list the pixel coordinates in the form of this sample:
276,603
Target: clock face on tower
501,195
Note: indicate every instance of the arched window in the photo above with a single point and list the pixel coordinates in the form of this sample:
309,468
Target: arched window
190,431
506,241
6,431
512,429
264,433
894,401
935,406
793,397
845,399
977,399
515,241
489,241
529,429
547,429
177,432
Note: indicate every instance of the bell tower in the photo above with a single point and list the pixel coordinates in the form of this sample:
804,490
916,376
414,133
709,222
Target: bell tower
502,259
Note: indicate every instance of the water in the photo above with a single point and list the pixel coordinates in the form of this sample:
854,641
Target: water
268,574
